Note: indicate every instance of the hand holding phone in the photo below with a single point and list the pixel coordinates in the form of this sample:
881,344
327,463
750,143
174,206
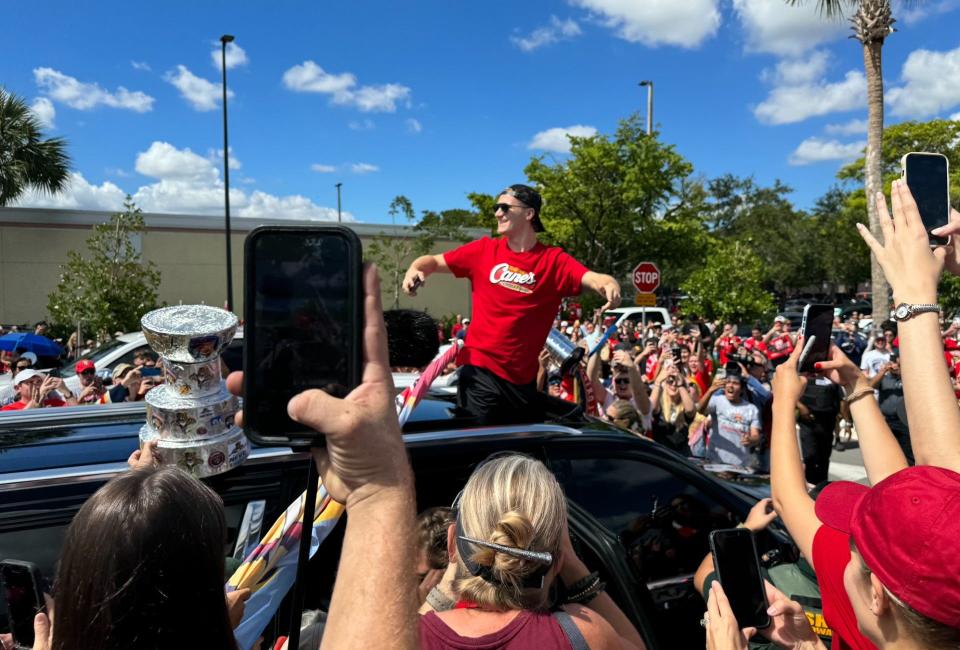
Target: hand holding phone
816,329
927,176
23,590
303,324
738,569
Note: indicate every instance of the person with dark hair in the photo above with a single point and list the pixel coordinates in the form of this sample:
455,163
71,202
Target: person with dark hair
143,567
735,426
517,286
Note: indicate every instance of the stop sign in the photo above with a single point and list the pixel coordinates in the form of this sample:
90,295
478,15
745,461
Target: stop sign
646,277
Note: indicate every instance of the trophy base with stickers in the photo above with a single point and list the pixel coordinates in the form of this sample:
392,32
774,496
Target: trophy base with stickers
191,414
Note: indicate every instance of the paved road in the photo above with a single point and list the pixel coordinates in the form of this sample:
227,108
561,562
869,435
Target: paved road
847,465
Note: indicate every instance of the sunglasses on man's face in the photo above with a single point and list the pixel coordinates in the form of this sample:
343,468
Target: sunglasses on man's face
505,207
88,372
622,381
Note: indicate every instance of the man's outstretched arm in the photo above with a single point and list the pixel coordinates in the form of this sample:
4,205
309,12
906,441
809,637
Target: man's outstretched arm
603,284
421,269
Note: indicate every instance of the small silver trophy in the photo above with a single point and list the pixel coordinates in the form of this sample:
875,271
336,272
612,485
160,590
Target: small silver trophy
191,414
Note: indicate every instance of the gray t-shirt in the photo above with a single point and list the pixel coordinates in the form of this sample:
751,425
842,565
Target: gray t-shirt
873,360
729,423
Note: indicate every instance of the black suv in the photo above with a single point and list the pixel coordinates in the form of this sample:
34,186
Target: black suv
639,513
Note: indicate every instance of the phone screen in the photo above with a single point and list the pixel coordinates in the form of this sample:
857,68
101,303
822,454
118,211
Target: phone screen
818,322
303,323
23,598
147,371
926,176
738,568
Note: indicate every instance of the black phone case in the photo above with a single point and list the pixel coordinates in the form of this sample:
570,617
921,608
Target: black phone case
304,437
38,586
765,622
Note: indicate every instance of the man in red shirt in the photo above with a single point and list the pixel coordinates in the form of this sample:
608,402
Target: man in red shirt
779,341
727,343
517,285
37,390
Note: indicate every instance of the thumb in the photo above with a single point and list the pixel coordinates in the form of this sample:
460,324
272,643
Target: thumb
41,632
318,410
748,632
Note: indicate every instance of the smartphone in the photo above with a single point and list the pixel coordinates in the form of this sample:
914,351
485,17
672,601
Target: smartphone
303,324
677,353
816,328
148,371
738,568
22,588
926,174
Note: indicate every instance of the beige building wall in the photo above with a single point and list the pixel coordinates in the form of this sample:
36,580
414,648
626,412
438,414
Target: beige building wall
190,252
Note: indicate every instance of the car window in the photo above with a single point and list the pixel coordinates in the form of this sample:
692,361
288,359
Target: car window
128,357
652,317
662,519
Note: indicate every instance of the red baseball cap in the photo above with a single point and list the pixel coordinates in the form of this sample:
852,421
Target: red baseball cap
906,529
84,364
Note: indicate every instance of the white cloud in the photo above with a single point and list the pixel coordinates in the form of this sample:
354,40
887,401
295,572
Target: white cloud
216,157
361,125
556,30
911,12
555,139
363,168
799,92
79,194
955,117
814,150
85,96
343,90
686,23
852,127
236,56
414,126
323,169
185,183
141,65
775,27
931,84
44,111
203,95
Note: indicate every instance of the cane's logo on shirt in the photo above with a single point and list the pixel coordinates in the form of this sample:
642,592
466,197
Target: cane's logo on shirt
513,278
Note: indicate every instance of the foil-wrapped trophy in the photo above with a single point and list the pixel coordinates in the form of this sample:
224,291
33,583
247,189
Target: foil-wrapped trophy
191,414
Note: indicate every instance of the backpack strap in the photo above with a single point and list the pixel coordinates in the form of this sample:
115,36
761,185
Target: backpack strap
570,630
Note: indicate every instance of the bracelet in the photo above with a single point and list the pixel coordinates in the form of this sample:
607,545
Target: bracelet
586,595
584,583
853,397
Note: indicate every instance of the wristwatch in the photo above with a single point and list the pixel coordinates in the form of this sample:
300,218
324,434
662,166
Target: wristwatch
903,311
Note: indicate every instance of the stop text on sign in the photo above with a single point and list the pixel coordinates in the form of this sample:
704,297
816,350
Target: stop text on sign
646,277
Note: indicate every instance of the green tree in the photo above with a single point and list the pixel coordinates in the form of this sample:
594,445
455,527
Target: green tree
393,253
111,287
872,22
26,159
843,256
728,287
452,224
603,204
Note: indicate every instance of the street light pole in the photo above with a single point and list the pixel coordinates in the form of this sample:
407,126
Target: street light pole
226,38
339,217
649,85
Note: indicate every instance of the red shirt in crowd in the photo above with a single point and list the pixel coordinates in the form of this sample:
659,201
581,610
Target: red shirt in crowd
779,346
831,554
19,406
515,299
727,346
755,344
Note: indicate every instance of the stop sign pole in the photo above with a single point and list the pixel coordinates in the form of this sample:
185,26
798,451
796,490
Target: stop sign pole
646,279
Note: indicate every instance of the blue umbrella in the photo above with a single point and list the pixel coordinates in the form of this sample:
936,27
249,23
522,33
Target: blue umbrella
39,345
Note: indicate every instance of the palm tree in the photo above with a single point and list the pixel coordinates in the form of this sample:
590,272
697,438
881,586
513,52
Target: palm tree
872,22
27,160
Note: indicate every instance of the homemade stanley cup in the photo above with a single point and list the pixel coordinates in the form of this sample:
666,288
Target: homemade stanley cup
562,350
192,414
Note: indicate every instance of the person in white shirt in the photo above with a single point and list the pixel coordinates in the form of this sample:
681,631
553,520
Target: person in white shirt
873,359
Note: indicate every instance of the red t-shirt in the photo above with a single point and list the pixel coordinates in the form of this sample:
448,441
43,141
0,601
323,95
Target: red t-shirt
831,554
754,344
19,406
515,299
779,346
727,345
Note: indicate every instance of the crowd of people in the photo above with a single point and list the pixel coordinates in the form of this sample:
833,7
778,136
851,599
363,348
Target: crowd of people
142,563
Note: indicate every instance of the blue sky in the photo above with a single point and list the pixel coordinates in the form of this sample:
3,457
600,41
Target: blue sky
437,98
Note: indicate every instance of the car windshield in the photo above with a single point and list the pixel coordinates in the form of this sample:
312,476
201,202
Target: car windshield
68,368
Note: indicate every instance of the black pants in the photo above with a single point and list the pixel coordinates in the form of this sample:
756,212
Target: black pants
816,443
493,400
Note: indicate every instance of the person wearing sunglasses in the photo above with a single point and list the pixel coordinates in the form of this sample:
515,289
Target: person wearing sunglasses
91,386
517,285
